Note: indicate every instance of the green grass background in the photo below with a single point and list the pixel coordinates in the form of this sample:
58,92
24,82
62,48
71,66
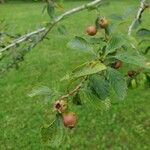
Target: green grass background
123,127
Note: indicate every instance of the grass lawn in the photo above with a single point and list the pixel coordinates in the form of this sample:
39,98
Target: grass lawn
125,126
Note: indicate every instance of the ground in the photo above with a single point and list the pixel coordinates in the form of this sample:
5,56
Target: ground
124,126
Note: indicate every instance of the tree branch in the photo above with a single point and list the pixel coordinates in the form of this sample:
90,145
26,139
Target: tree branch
51,25
138,17
22,39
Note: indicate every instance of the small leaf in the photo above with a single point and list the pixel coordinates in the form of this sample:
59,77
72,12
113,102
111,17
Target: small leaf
143,32
99,86
88,69
147,50
44,90
118,82
66,77
134,59
59,134
51,9
44,8
79,43
62,30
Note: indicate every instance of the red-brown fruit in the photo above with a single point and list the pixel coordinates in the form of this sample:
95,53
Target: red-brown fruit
103,22
70,120
131,73
91,30
117,64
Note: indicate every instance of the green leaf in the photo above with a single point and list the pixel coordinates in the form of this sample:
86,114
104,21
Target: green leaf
99,86
54,133
134,59
51,9
44,8
59,133
44,90
88,69
118,82
114,43
66,77
62,30
143,32
79,43
143,41
147,50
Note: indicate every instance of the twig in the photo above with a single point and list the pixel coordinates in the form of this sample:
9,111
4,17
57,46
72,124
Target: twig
51,25
22,39
138,17
75,90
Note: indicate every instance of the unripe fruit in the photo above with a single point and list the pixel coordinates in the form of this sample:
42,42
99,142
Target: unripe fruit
91,30
61,106
103,22
133,83
70,120
131,73
117,64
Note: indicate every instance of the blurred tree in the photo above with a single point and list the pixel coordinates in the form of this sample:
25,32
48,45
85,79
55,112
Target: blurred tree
1,1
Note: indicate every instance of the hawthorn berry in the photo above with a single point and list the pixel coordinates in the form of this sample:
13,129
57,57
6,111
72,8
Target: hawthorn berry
61,106
131,73
91,30
103,22
70,119
117,64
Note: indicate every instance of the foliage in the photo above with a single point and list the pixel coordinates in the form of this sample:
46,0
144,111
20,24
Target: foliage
104,75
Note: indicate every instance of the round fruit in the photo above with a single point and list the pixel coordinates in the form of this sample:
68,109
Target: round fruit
103,22
91,30
70,119
61,106
131,73
117,64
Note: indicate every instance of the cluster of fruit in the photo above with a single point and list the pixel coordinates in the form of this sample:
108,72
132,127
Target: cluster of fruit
69,118
92,30
119,63
102,23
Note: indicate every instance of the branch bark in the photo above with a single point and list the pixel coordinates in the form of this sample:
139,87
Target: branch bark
138,17
22,39
45,30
